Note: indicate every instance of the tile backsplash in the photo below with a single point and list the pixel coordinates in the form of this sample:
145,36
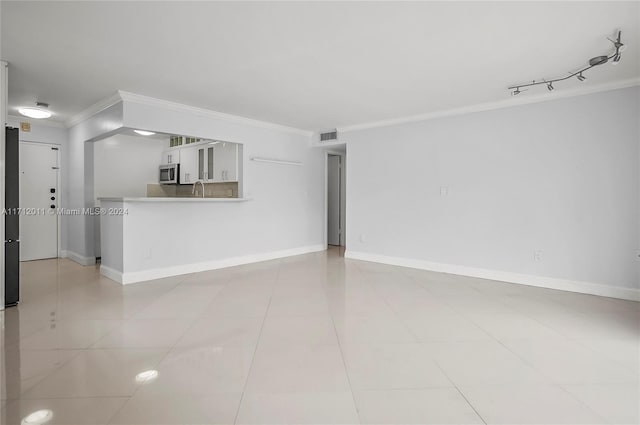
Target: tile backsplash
211,190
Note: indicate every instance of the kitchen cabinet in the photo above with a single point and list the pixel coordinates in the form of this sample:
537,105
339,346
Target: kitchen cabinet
171,157
210,162
196,163
188,165
205,163
225,162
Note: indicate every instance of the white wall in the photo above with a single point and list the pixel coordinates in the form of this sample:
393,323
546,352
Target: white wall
559,177
286,210
157,238
80,228
42,131
124,165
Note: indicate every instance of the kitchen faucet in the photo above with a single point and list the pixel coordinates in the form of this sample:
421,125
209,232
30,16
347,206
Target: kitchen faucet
193,190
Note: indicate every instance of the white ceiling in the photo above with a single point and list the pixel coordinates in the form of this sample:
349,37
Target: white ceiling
308,65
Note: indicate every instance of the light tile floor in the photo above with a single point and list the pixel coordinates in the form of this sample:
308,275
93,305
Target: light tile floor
314,339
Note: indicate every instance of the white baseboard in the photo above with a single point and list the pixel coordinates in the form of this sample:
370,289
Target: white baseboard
502,276
110,273
140,276
80,259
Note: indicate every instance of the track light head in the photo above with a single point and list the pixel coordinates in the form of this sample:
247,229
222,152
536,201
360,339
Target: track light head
550,87
581,77
616,59
598,60
516,92
617,43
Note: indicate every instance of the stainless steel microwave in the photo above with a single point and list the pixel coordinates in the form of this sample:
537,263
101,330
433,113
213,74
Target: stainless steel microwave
169,174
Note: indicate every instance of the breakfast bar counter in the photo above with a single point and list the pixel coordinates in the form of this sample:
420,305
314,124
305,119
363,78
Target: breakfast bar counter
151,238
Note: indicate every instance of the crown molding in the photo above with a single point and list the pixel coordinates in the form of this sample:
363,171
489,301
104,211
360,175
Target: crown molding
506,103
32,121
161,103
93,109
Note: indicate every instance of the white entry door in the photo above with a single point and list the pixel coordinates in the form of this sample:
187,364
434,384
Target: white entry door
38,201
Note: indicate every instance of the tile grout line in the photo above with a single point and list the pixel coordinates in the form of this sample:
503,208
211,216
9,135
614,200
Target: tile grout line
600,355
54,370
434,360
255,350
548,381
138,387
467,401
344,362
451,380
583,404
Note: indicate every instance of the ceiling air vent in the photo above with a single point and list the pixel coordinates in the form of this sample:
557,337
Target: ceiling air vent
329,136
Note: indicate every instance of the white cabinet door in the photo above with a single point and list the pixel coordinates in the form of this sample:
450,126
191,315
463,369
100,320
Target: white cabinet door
205,163
171,157
225,162
188,165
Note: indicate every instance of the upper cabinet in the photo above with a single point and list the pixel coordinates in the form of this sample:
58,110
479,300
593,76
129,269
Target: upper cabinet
205,163
188,165
205,160
171,157
225,162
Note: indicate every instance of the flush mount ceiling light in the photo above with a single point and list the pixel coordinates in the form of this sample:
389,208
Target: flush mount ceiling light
144,132
39,112
38,417
598,60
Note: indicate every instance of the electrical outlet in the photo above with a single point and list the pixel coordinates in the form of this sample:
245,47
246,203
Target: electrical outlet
363,238
444,191
537,255
147,254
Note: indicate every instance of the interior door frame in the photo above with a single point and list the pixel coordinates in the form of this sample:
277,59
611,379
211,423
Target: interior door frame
59,191
325,226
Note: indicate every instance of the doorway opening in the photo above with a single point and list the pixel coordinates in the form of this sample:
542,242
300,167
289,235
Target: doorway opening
39,180
335,199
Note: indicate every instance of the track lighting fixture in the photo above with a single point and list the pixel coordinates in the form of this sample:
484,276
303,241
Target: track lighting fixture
595,61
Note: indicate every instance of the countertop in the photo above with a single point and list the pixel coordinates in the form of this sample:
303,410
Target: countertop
174,199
